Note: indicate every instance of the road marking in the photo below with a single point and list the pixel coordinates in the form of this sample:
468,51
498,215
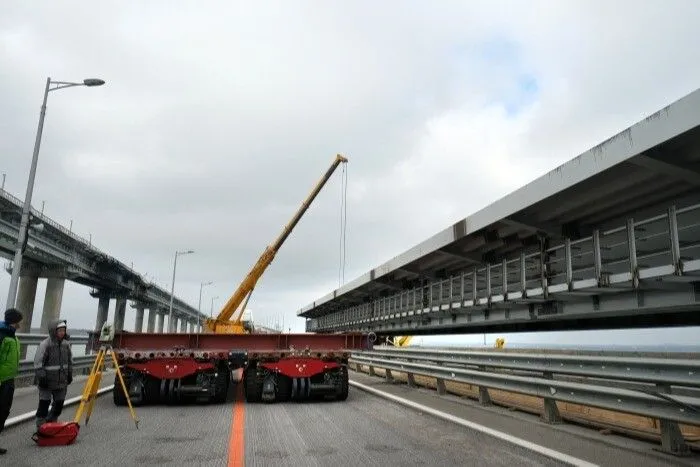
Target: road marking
236,445
560,456
30,415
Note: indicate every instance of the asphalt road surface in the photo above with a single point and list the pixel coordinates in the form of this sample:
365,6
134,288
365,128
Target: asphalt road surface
363,430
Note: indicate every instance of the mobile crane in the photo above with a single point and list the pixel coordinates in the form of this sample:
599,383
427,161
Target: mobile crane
276,367
225,323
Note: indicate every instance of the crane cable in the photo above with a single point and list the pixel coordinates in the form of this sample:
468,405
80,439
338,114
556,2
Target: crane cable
343,223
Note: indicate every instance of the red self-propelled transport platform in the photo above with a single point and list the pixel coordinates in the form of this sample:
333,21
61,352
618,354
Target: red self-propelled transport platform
171,368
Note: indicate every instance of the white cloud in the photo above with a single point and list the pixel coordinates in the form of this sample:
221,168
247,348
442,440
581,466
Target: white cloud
215,122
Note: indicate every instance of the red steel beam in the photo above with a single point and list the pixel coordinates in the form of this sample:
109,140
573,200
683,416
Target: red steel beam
248,342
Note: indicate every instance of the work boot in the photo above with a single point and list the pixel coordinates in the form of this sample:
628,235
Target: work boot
42,411
56,410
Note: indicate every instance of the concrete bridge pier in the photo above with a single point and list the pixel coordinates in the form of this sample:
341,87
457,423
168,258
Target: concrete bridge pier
138,326
161,322
52,301
183,325
151,326
26,295
102,312
119,314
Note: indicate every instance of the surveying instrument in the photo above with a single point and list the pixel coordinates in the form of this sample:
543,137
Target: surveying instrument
92,386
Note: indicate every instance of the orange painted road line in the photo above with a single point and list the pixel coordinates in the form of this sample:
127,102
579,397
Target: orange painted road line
236,443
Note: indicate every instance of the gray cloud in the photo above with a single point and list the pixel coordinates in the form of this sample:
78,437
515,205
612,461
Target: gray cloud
215,123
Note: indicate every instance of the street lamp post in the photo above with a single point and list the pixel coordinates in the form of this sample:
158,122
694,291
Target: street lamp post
199,306
172,288
211,311
24,223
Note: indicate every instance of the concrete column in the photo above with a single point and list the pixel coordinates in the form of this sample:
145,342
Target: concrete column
102,312
52,301
119,314
183,325
161,322
175,324
138,327
151,327
26,294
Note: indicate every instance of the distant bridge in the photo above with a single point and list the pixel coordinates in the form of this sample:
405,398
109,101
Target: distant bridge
54,252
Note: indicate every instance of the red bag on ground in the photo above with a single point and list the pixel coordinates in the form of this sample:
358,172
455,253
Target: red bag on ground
56,434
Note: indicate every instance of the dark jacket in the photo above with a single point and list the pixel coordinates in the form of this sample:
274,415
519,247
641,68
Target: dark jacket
53,361
9,352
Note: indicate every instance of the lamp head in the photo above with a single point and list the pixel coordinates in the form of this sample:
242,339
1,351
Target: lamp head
93,82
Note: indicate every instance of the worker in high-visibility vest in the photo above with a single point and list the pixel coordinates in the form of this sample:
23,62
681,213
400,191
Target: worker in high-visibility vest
9,363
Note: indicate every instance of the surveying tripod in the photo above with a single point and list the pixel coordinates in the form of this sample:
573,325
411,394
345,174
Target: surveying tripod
92,385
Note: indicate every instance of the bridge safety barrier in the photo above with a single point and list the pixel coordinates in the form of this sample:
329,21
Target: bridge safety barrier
35,339
534,375
519,286
26,367
80,362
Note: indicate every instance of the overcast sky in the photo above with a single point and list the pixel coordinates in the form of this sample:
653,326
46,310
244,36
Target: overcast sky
218,117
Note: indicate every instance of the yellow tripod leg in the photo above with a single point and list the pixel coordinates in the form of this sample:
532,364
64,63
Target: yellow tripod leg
95,386
126,392
89,390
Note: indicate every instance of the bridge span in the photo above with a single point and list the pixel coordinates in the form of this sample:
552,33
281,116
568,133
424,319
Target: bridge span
610,239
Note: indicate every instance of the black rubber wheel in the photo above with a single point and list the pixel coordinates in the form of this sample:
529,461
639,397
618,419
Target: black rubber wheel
252,387
118,395
222,383
344,384
284,388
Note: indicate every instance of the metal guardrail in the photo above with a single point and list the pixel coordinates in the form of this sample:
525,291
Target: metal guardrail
26,367
35,339
663,245
659,404
19,203
676,372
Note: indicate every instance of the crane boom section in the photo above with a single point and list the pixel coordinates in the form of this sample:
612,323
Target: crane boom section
224,319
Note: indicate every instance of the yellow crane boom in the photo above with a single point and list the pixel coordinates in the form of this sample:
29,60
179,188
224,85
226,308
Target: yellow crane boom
224,323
